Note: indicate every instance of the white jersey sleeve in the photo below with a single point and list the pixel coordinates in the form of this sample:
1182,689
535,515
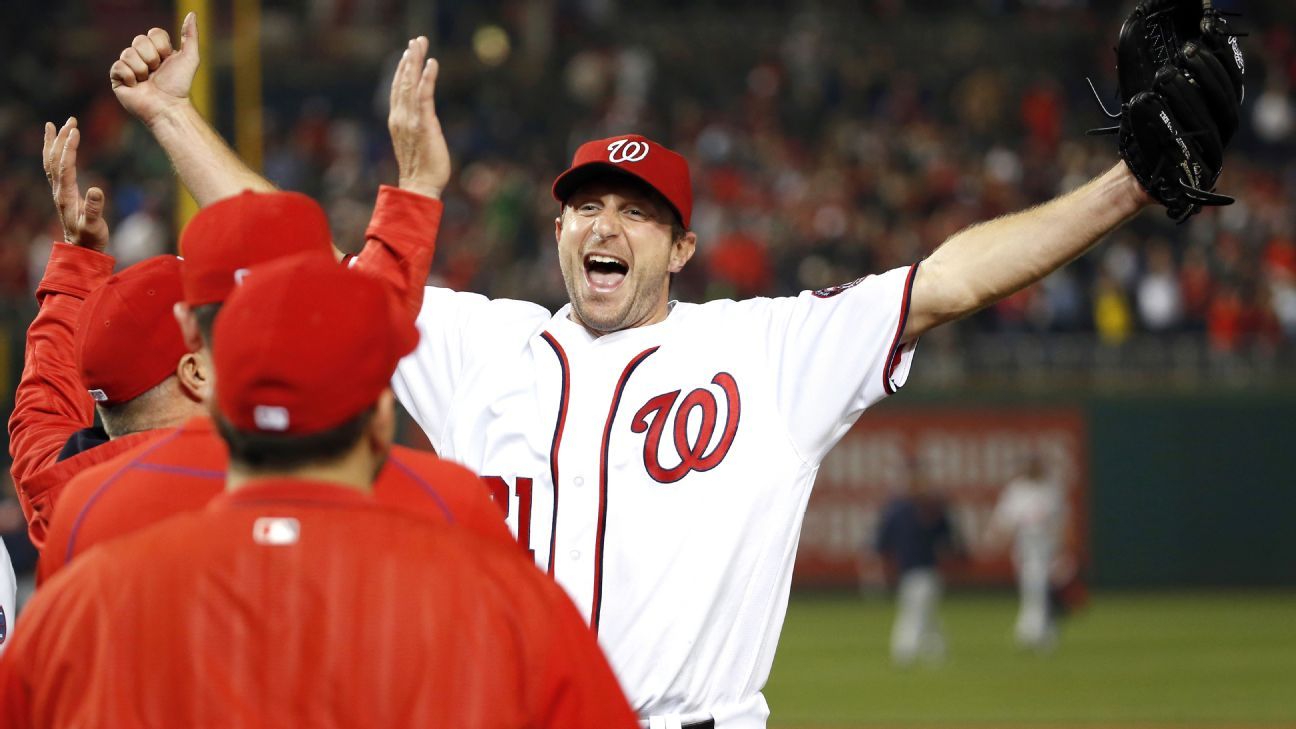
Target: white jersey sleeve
837,351
8,597
457,332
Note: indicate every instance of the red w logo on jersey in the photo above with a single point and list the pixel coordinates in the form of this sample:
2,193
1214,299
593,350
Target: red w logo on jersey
696,454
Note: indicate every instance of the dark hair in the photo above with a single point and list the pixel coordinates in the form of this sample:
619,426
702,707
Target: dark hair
278,452
205,315
677,228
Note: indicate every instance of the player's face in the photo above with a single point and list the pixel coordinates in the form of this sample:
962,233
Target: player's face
617,253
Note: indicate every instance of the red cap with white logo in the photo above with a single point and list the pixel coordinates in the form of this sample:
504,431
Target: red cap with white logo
663,170
228,237
303,344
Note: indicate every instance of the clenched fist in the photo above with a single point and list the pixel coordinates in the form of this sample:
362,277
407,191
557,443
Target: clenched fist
151,76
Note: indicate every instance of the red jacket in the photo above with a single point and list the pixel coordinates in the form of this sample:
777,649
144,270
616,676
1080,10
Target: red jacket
181,470
50,403
290,604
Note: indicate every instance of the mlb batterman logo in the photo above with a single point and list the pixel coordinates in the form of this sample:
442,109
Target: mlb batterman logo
4,625
271,417
276,531
626,150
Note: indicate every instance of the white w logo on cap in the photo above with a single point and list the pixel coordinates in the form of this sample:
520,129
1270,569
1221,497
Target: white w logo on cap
626,150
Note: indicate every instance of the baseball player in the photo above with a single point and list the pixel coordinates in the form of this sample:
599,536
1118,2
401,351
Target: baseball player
295,598
657,455
660,454
69,373
914,535
1032,513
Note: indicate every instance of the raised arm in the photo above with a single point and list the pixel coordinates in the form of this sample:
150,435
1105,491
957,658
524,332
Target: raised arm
50,402
992,260
152,81
422,157
401,237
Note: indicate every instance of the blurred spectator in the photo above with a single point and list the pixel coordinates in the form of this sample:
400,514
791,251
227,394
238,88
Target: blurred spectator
1273,114
1160,302
1226,319
141,235
1112,317
738,267
1196,285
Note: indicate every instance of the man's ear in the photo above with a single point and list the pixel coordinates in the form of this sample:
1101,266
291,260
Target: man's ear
682,250
558,222
382,427
195,374
184,317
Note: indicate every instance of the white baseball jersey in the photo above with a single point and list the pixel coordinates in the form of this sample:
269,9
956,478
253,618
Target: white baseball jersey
1035,512
661,473
8,597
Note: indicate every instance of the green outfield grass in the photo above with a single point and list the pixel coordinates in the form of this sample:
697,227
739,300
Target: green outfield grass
1199,659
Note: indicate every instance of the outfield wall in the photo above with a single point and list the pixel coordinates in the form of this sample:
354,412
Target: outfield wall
1164,490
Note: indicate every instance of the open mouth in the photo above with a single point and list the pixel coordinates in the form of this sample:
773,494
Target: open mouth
604,273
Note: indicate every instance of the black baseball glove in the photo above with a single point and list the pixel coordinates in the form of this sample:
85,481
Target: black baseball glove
1181,87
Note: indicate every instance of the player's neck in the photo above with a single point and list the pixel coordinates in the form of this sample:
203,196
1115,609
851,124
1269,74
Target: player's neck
658,316
355,470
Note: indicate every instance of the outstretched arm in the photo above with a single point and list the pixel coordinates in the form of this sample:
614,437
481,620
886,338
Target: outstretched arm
992,260
152,81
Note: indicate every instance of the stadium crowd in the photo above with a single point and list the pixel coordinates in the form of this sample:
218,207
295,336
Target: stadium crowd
815,162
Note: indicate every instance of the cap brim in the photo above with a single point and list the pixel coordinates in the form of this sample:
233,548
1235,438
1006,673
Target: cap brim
567,182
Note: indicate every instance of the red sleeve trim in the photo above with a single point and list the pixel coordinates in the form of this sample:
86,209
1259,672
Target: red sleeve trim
896,352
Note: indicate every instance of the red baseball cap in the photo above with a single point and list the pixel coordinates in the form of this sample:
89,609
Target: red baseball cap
303,345
127,339
661,169
234,234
